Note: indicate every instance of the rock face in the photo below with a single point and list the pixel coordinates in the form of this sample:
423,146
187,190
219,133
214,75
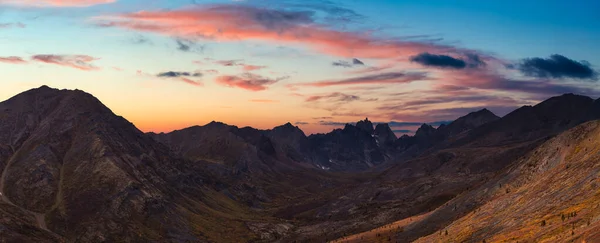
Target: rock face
384,135
292,143
83,173
365,125
456,176
71,170
354,148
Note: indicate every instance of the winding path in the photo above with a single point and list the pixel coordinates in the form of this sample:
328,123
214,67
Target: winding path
39,217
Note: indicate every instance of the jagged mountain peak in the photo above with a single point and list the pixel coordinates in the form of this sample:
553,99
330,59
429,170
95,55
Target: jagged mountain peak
425,130
384,134
365,125
288,129
382,127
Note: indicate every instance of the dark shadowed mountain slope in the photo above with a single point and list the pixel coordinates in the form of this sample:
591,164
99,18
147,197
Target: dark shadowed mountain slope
354,148
80,173
468,122
534,122
448,170
384,135
550,194
72,171
267,170
427,136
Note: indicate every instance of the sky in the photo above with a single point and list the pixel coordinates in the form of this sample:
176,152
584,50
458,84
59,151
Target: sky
170,64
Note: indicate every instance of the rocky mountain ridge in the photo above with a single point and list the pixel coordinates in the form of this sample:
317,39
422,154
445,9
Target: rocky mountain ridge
72,170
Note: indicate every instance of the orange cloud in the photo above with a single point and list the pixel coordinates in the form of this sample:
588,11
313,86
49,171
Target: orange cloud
55,3
13,60
192,82
247,81
253,67
234,23
81,62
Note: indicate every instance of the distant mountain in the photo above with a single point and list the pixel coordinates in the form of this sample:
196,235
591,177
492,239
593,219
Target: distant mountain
468,122
354,148
448,174
73,171
427,137
528,123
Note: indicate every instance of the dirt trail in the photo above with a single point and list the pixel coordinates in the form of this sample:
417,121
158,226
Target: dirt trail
39,217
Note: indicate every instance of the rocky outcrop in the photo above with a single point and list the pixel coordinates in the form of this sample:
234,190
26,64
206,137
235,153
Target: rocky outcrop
84,174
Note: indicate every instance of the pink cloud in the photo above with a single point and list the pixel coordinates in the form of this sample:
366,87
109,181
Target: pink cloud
192,82
228,63
383,78
234,23
234,63
55,3
372,69
81,62
247,81
248,68
13,60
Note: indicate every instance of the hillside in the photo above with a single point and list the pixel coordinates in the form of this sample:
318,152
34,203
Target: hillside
72,170
548,195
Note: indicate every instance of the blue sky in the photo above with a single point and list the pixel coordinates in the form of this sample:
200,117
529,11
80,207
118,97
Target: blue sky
415,57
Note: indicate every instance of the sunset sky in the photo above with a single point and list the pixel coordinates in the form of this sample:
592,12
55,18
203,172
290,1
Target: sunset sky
167,65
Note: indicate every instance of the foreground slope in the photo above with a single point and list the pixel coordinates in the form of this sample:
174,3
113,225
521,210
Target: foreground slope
550,195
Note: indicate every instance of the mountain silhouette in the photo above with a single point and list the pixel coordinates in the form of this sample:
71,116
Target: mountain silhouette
73,171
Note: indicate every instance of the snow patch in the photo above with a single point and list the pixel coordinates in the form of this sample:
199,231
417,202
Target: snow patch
323,167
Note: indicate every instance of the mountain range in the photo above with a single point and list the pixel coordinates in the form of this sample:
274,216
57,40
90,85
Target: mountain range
73,171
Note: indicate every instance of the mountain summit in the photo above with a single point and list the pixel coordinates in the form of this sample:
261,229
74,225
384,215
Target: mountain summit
72,170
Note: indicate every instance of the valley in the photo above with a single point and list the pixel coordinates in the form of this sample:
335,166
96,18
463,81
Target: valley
74,171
